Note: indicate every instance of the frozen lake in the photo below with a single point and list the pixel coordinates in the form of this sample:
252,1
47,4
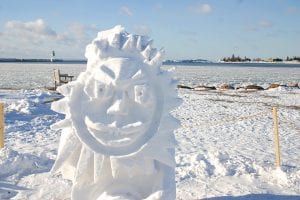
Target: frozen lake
40,75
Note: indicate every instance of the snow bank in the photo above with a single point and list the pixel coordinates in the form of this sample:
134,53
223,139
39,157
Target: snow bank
26,119
117,138
14,165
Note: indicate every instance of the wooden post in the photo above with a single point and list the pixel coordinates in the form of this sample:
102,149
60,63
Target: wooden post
1,125
276,137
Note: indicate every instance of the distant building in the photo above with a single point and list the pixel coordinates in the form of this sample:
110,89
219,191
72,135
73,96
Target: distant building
52,56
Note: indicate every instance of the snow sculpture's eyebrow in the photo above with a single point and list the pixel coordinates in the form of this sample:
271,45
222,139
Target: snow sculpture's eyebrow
139,78
138,75
108,71
136,79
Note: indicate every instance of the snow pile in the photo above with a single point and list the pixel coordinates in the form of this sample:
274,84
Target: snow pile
117,137
14,165
20,106
27,138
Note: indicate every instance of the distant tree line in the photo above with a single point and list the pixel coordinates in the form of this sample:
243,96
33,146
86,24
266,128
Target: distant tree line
234,58
292,58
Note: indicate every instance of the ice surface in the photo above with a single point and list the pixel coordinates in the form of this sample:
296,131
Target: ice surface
36,75
237,74
33,75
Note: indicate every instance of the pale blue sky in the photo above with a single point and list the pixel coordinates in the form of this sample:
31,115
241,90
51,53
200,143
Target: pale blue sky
185,28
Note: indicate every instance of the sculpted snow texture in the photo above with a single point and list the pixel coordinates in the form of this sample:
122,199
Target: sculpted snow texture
117,137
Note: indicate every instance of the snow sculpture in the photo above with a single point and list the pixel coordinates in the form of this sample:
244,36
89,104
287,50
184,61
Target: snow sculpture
117,137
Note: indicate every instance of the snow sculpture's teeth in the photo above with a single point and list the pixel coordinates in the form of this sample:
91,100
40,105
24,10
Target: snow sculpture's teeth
95,126
133,125
106,129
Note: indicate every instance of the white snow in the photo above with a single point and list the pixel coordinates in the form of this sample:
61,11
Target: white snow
225,146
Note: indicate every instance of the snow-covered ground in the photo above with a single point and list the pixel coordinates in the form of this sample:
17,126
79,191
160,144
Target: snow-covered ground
225,145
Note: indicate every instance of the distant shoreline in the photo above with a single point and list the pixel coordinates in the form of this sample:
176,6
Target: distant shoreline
26,60
263,62
195,62
237,64
166,62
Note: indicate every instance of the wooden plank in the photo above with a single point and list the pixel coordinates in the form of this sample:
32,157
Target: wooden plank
56,75
276,137
1,125
60,79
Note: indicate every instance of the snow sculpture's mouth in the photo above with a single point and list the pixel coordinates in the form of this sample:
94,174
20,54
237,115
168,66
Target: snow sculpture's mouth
114,136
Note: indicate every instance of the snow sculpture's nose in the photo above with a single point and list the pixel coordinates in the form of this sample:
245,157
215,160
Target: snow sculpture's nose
115,108
118,106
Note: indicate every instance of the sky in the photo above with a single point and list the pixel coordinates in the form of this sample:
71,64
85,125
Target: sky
186,29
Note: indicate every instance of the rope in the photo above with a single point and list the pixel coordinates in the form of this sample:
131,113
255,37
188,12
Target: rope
232,120
284,122
243,118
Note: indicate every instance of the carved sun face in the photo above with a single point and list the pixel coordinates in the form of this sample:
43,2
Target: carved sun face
119,116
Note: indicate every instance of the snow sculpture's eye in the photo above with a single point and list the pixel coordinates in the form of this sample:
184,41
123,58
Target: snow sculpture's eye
96,89
99,90
126,94
141,93
104,91
129,93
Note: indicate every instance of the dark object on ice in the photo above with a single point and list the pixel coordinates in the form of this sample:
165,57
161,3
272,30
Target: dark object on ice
274,85
204,88
291,84
254,87
184,87
256,197
226,87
